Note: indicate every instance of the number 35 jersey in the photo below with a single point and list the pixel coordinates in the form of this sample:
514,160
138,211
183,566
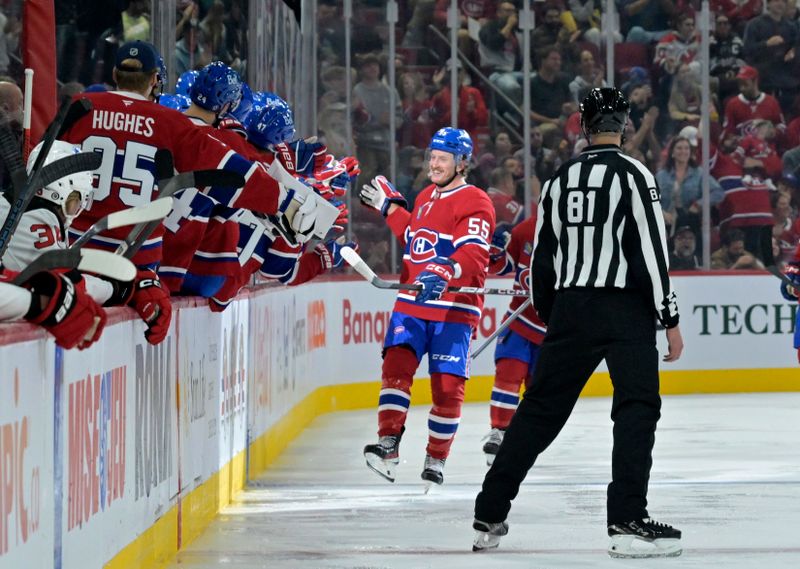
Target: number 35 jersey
126,130
456,224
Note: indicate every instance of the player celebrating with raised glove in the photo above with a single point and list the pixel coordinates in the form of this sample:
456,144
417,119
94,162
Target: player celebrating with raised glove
445,240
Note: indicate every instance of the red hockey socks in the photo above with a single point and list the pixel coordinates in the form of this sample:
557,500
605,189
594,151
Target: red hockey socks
448,395
399,365
509,375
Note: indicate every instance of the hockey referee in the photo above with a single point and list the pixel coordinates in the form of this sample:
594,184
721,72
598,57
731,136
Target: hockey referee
599,281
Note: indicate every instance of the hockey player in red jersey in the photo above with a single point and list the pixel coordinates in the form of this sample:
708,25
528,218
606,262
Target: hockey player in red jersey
518,345
446,242
127,128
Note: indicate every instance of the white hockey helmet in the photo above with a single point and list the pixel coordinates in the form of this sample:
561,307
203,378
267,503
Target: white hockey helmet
69,189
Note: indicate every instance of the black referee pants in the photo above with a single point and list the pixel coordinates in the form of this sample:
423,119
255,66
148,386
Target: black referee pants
586,326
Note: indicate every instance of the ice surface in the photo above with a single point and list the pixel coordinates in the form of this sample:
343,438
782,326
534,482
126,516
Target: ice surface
726,472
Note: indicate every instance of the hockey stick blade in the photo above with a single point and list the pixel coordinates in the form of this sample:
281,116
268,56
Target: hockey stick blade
12,157
152,211
359,265
85,260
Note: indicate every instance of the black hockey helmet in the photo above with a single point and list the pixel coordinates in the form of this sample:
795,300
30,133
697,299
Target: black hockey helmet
604,109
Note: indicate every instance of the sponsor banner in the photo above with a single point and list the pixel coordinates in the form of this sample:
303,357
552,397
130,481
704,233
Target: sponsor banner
200,401
26,454
228,360
120,447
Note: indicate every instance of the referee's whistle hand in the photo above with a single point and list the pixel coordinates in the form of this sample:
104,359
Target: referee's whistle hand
675,342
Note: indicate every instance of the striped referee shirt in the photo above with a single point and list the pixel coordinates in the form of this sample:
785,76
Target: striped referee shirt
600,225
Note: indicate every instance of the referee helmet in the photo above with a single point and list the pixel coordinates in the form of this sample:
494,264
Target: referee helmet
604,109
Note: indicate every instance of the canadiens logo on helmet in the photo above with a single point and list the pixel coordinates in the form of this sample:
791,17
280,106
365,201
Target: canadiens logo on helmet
423,246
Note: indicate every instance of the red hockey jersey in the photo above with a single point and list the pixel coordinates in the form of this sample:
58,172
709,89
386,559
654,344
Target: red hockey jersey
746,202
128,129
518,259
456,224
741,112
506,208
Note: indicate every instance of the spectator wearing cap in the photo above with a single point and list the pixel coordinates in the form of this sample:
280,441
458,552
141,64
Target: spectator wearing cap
684,245
681,184
769,44
733,255
749,105
637,77
725,52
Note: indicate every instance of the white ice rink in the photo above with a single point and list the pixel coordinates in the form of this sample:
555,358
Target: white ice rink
726,472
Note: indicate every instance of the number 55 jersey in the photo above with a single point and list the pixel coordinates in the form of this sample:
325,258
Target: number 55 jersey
455,224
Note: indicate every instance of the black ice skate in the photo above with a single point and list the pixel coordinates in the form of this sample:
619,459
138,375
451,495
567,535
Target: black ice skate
644,538
384,456
432,473
487,535
492,445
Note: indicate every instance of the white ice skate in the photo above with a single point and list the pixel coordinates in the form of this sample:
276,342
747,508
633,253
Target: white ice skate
644,538
492,445
432,473
384,456
487,535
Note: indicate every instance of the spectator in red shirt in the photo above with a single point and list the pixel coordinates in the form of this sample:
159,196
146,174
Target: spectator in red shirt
758,146
416,128
750,104
739,12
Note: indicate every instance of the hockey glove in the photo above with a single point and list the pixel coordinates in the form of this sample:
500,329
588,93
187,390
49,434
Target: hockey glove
435,278
330,253
152,304
792,272
500,239
69,313
309,156
380,194
344,215
340,183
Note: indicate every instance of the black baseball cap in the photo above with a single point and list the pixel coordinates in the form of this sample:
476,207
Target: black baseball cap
142,51
684,228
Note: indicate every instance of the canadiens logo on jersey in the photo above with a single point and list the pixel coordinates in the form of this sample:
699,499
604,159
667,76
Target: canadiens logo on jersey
423,246
524,278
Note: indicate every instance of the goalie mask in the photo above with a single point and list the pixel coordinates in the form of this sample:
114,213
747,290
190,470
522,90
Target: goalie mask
71,193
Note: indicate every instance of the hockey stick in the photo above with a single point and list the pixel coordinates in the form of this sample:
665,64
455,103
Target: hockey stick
90,260
775,271
85,161
27,114
360,266
66,117
152,211
194,179
513,316
9,152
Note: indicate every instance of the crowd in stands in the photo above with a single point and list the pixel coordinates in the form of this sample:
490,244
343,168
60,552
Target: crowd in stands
754,114
754,111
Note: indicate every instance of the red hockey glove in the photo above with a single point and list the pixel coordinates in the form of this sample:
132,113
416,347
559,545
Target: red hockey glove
380,194
152,304
69,313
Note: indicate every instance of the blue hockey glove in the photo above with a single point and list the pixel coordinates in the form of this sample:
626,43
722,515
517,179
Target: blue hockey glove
380,194
792,273
500,240
309,156
435,278
330,253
